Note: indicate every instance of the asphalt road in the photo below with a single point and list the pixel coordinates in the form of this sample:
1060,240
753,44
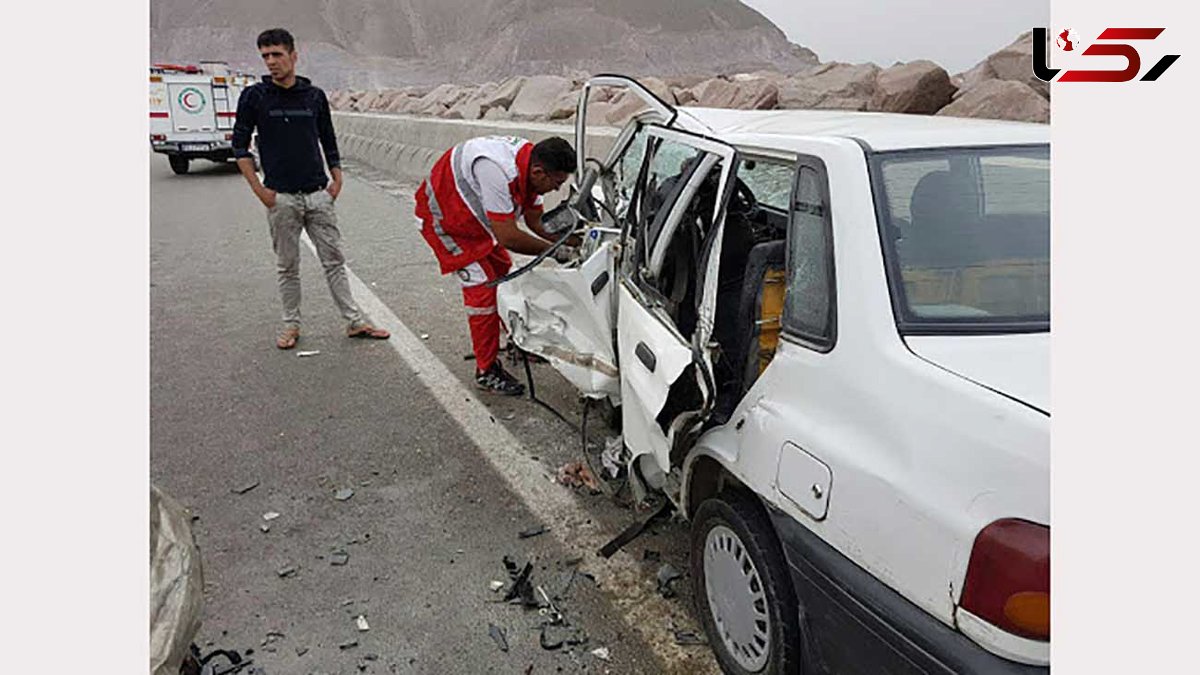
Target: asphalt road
439,496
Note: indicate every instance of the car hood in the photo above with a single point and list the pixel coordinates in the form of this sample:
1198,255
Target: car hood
1017,366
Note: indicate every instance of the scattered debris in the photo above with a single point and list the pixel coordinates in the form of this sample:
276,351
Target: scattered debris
576,474
496,586
551,611
510,417
533,531
424,336
498,636
650,555
667,576
554,636
361,622
311,352
371,657
339,558
301,651
244,489
264,527
343,494
270,515
350,644
610,457
601,653
285,572
687,638
635,528
520,590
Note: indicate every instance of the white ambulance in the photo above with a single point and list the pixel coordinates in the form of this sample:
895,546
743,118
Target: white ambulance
192,110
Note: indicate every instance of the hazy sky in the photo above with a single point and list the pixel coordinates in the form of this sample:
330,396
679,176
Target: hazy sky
956,34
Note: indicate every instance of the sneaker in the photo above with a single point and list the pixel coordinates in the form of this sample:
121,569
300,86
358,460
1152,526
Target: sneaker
498,381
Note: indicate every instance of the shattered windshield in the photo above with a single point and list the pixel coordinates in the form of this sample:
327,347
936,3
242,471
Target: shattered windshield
967,237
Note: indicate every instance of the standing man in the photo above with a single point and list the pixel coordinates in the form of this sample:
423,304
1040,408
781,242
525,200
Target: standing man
294,128
468,210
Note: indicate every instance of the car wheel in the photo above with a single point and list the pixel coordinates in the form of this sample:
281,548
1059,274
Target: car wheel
743,594
179,164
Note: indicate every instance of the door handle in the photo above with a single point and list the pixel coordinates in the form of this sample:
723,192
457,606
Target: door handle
646,356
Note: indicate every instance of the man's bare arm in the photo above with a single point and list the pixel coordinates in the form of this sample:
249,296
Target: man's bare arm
514,239
533,220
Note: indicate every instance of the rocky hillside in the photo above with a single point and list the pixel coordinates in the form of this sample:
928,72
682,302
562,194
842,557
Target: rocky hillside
1001,86
381,43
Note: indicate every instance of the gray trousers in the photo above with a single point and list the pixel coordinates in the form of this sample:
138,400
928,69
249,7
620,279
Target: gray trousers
312,213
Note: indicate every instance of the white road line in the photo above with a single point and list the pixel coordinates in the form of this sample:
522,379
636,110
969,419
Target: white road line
639,603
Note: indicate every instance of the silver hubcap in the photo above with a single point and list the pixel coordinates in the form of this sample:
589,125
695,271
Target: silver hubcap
736,598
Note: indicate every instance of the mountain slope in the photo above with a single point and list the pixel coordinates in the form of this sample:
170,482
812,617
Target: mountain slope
381,42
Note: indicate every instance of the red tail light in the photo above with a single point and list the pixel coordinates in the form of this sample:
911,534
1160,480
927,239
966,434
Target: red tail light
1008,578
229,137
158,137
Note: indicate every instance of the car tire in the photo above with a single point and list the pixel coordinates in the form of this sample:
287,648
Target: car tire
179,164
728,531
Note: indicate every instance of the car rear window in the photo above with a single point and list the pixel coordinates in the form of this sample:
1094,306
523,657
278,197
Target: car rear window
967,237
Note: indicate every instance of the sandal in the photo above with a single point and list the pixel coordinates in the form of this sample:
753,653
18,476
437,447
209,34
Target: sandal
366,330
287,338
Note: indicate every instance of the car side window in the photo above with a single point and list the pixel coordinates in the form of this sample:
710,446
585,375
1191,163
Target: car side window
809,309
771,182
630,165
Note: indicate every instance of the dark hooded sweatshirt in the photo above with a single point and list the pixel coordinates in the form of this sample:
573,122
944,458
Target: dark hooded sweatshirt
294,126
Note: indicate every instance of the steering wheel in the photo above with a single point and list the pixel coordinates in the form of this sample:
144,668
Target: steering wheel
749,202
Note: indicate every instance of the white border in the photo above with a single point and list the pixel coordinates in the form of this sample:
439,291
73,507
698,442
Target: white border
1125,365
75,502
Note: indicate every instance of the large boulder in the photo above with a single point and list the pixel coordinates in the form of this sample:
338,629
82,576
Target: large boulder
497,113
619,110
658,88
364,103
538,96
339,100
686,81
715,93
921,87
760,94
438,101
834,86
471,106
683,96
1014,63
506,92
401,103
1000,100
564,107
597,113
387,98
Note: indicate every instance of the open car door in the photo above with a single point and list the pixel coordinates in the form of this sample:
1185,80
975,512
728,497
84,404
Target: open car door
566,313
667,290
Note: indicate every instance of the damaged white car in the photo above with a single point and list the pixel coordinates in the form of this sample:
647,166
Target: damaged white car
827,335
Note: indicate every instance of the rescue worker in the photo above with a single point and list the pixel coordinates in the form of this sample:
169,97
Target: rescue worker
467,211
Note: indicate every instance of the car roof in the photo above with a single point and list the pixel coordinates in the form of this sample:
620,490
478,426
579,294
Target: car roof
880,131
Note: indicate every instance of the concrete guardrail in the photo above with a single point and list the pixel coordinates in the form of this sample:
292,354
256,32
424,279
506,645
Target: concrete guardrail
406,146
